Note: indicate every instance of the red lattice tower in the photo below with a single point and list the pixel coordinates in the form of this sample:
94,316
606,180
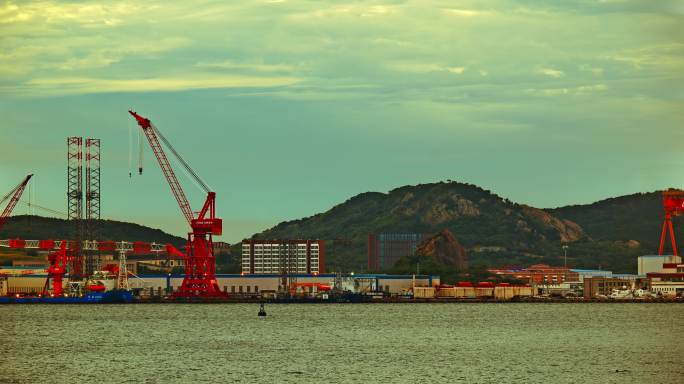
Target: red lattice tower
673,204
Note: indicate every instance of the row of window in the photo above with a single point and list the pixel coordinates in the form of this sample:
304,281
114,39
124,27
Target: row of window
240,289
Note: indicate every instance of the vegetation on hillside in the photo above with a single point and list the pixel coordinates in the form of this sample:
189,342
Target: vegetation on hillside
495,230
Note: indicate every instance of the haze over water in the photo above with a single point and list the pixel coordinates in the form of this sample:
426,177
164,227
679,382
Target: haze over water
473,343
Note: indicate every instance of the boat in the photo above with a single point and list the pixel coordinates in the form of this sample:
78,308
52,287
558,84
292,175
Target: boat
101,288
106,297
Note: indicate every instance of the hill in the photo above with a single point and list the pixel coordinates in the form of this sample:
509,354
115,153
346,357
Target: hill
493,229
38,227
637,217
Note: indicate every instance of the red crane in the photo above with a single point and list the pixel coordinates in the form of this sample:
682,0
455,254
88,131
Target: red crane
200,263
58,264
673,204
14,195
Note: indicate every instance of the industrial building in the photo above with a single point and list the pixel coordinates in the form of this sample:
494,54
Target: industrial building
385,249
283,256
654,263
669,281
540,274
604,286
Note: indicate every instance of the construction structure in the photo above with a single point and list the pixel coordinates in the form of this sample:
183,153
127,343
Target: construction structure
84,226
13,196
200,266
75,204
92,201
673,205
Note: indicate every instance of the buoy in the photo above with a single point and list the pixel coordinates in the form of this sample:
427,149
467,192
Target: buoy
262,311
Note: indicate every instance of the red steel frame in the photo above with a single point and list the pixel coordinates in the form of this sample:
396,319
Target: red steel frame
200,263
673,204
16,195
56,270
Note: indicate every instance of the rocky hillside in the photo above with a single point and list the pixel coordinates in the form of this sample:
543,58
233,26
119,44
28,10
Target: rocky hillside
493,229
445,249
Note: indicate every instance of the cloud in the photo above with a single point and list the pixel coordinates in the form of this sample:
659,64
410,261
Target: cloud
256,67
551,72
581,90
417,67
465,12
84,85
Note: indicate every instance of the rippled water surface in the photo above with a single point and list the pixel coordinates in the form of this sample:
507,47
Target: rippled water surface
343,343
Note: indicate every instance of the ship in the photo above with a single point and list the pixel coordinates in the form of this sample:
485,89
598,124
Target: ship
101,288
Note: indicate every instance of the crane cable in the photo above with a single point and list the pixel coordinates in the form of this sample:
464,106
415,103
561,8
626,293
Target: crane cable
130,144
185,165
10,193
140,152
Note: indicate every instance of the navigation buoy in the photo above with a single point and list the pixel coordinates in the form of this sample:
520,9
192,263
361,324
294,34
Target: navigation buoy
262,311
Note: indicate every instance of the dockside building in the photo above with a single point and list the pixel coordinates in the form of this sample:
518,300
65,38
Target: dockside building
283,256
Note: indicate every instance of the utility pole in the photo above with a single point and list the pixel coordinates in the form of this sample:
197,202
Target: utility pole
565,262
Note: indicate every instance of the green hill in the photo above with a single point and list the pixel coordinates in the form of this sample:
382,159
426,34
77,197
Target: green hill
633,217
38,227
495,230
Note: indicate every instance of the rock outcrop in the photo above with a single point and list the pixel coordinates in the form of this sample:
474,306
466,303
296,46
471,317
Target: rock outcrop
444,247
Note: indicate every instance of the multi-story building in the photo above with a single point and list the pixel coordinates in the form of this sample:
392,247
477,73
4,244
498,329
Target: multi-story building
604,286
385,249
283,256
669,281
540,274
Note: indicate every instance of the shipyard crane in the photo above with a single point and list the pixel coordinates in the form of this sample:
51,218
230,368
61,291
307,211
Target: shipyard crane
200,263
14,195
673,205
58,265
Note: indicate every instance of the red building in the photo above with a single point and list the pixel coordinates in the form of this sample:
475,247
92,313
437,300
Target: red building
385,249
538,274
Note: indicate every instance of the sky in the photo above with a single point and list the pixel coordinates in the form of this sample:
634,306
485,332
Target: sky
287,108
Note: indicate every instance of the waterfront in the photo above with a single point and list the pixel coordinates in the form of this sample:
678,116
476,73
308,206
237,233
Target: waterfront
337,343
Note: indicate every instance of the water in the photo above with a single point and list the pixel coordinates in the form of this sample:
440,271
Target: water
343,343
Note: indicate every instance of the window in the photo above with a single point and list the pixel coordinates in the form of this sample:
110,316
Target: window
240,288
232,289
256,289
248,288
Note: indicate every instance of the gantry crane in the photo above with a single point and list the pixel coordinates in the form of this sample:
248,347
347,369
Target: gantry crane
14,195
200,263
673,204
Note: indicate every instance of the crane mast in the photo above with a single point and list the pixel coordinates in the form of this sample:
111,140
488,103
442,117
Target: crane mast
200,263
14,195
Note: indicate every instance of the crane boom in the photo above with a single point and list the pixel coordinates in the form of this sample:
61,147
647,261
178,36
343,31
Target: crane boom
14,195
163,161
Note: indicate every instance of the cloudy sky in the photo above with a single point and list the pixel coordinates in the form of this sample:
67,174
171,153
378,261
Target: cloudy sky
289,107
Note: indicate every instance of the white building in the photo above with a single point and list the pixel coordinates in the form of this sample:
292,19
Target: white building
654,263
283,256
669,281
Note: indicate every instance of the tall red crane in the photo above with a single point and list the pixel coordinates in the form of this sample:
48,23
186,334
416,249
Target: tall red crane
14,195
200,263
673,204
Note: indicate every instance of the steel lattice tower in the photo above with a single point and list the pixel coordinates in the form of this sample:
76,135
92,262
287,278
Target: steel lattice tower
92,201
75,203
